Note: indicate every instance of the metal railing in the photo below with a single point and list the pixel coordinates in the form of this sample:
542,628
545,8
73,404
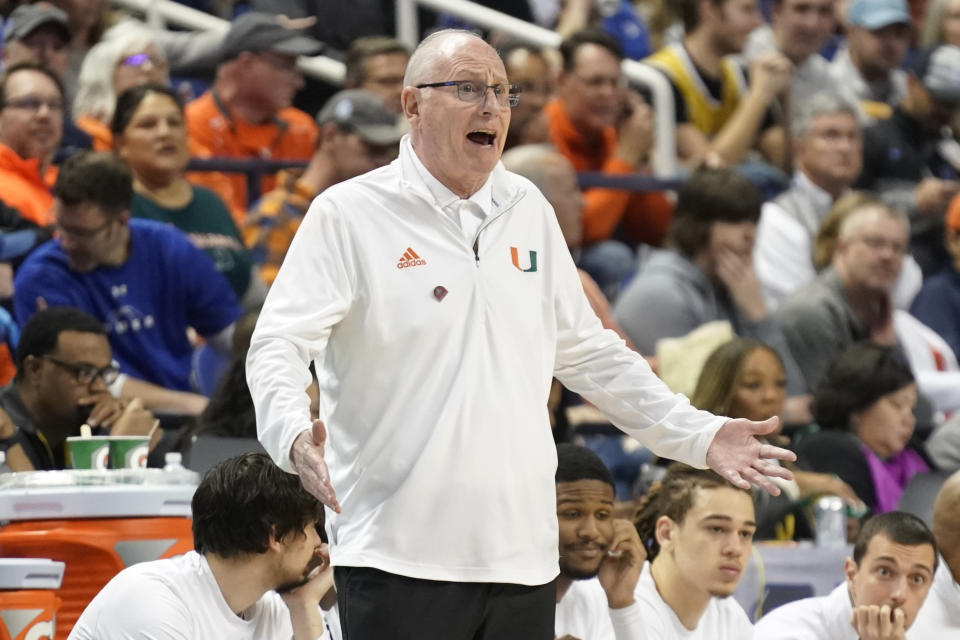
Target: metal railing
665,148
160,13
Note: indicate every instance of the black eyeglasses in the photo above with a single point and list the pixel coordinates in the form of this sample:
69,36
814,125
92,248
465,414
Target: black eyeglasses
507,95
33,104
86,373
81,234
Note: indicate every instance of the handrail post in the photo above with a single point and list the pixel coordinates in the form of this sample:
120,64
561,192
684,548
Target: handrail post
408,31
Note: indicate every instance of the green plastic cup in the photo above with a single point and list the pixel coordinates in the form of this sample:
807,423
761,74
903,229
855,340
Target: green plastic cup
129,452
88,453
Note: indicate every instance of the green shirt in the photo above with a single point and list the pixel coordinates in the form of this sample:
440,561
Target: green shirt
208,224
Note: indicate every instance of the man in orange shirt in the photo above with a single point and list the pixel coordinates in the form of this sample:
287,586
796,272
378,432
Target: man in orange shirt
601,126
247,112
31,123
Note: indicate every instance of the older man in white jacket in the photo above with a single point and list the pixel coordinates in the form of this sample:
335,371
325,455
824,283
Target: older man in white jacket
438,300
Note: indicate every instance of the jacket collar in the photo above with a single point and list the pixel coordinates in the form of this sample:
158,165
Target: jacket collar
415,178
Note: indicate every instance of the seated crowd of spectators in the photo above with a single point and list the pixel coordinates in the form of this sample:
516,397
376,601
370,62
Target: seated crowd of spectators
807,266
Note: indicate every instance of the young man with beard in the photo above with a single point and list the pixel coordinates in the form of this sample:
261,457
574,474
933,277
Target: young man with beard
255,572
888,578
698,529
600,556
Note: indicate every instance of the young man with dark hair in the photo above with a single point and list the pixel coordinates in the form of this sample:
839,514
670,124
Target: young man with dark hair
720,116
706,273
600,556
258,570
698,530
888,577
143,280
65,370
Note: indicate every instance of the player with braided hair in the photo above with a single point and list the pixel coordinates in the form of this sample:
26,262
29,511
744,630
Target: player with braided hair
698,531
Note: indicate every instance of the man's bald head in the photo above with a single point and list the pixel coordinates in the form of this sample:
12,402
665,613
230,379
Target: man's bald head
436,47
946,522
556,178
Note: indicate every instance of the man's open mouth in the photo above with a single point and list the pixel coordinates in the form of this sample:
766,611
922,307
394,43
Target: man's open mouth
482,136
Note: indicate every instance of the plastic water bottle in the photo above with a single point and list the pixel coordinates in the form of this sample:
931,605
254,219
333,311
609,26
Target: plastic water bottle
175,473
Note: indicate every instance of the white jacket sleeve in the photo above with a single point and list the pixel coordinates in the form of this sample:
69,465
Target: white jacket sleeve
597,364
628,623
312,292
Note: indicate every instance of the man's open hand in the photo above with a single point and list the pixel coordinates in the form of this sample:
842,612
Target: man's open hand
737,454
307,457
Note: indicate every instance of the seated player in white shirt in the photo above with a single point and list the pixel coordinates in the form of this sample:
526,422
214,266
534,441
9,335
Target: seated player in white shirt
939,617
698,531
600,556
891,571
255,535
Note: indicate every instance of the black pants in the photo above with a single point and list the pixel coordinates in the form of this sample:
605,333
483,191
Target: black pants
375,605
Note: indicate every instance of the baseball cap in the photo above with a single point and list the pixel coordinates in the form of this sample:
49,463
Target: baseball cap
363,112
27,17
255,32
877,14
938,68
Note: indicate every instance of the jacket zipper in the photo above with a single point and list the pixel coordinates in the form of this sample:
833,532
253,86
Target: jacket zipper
488,222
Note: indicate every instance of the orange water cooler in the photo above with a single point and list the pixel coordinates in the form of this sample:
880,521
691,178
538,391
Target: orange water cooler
95,531
28,605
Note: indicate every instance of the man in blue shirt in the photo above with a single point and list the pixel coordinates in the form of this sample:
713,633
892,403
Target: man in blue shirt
143,280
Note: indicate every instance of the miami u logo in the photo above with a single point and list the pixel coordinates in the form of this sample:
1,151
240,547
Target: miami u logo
515,255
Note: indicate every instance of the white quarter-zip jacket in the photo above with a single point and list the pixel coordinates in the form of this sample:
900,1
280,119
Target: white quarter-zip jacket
435,356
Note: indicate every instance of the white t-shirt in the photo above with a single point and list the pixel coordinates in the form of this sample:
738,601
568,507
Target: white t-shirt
177,599
939,617
824,618
723,619
584,614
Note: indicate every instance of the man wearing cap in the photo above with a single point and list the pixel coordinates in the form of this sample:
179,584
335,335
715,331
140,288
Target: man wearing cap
247,112
878,34
357,134
39,33
908,162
